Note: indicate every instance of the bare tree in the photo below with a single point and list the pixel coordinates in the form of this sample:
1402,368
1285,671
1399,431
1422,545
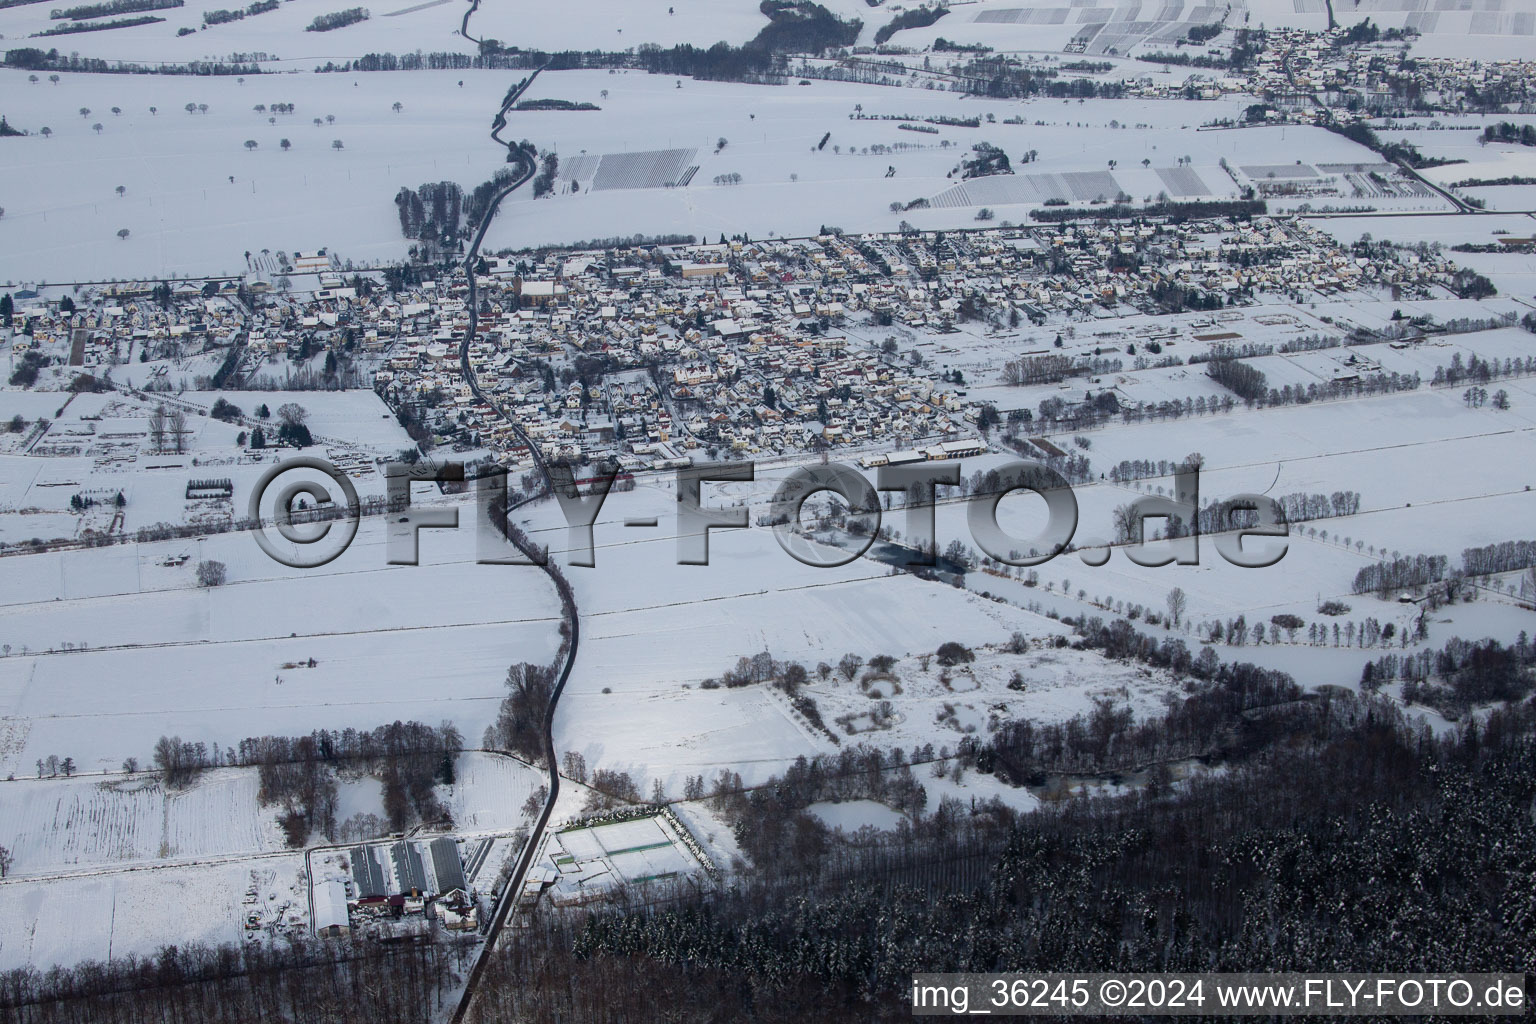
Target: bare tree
5,861
1126,524
575,767
157,428
1176,605
178,421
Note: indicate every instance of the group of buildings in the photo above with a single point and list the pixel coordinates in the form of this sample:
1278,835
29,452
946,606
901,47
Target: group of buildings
791,345
655,356
1300,69
390,881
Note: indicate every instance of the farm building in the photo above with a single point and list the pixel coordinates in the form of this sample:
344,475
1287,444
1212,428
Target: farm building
332,919
406,872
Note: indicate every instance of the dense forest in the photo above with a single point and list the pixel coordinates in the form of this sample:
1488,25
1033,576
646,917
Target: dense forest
1348,841
1238,377
380,983
916,17
337,19
1524,134
433,214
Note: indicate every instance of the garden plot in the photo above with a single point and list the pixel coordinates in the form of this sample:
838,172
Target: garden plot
1183,182
1434,352
941,705
108,436
662,168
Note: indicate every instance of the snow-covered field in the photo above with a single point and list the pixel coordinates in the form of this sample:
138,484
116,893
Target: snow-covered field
490,791
112,913
277,38
184,214
653,630
599,25
790,188
96,821
429,642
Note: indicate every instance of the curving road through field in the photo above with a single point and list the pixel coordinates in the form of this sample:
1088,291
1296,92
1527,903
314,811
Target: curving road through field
527,162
